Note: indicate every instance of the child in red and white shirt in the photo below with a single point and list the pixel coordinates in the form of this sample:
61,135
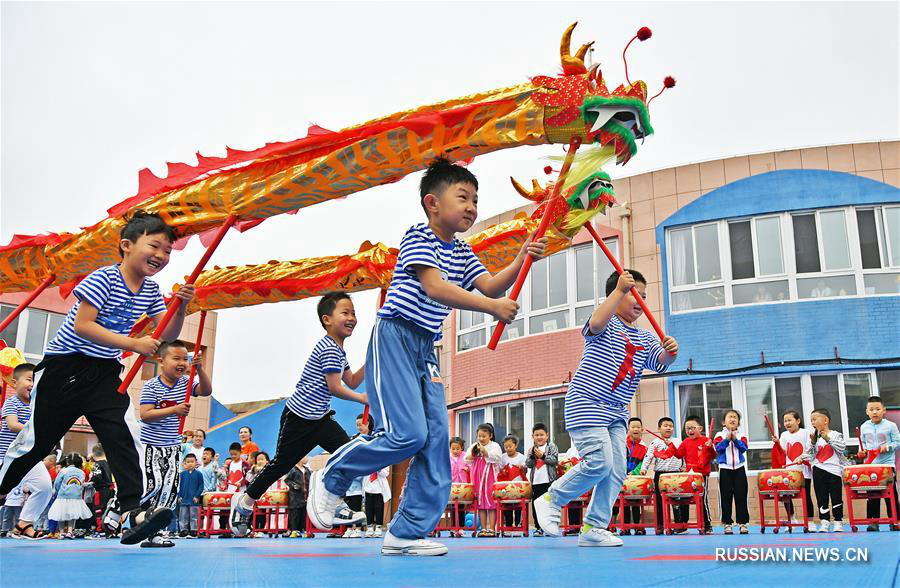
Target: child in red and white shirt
698,453
794,442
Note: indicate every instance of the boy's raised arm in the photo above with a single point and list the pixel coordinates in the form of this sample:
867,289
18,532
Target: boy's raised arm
439,290
494,286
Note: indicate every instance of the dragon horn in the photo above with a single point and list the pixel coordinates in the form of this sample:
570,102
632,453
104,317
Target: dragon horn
519,188
572,65
536,187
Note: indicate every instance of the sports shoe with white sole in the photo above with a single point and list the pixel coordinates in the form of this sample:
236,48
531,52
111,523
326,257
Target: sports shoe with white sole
321,504
344,516
837,527
145,524
421,547
238,515
547,515
597,537
825,527
157,541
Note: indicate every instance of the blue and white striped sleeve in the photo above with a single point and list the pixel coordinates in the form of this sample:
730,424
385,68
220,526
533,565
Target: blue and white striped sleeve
158,306
474,269
588,335
332,361
416,250
8,407
654,353
94,289
148,394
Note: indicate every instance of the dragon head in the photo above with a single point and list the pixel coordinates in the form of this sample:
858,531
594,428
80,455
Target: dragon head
578,103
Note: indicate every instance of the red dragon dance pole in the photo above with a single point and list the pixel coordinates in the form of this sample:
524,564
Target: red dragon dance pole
176,302
574,144
193,372
634,292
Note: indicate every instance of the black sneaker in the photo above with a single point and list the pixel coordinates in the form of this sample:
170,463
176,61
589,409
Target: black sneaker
145,524
873,528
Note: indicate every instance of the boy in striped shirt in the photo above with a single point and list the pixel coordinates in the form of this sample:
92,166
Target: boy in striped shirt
616,352
435,272
81,370
307,419
162,408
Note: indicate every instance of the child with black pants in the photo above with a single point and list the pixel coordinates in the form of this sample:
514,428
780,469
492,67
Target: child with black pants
377,491
541,462
826,453
297,482
657,461
794,442
730,455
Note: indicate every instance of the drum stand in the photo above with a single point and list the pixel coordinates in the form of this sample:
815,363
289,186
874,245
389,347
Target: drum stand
872,493
206,519
511,506
777,496
672,500
630,501
565,522
271,514
457,509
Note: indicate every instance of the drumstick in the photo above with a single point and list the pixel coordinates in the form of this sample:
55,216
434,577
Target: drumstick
655,435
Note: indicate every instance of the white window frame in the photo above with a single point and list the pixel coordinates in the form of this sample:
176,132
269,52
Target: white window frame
528,418
570,307
22,332
789,261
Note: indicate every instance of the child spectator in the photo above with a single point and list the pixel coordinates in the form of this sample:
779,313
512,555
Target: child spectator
236,470
616,353
879,439
248,447
81,368
190,489
212,472
794,444
541,463
698,453
101,479
260,461
307,419
459,474
69,505
16,413
484,457
826,453
635,452
162,406
297,482
659,462
194,445
435,272
377,490
730,455
512,467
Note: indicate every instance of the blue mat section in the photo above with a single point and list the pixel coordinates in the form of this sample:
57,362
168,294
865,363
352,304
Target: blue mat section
643,561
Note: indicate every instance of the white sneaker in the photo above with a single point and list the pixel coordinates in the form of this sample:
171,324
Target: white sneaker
378,532
596,537
547,515
348,534
321,503
370,532
824,527
344,516
397,546
838,527
238,515
811,527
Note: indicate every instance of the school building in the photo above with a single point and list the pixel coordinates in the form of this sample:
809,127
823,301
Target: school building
778,273
32,329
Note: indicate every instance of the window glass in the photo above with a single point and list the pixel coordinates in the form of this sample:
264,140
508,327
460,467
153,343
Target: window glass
9,333
464,428
882,283
690,402
708,267
517,423
806,245
558,279
759,406
499,421
682,253
560,435
718,399
541,414
768,244
539,284
868,239
788,397
889,386
582,314
759,459
477,419
741,250
892,224
836,252
56,321
513,330
825,395
584,273
826,287
37,328
761,292
471,340
465,319
548,322
604,267
857,389
694,299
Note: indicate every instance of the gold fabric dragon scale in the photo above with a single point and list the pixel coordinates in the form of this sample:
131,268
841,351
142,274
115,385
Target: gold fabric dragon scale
285,177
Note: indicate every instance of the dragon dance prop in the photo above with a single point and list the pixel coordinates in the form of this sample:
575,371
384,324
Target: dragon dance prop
252,186
10,358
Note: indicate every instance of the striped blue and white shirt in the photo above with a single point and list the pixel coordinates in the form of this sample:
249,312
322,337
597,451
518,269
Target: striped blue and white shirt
406,298
12,406
609,373
118,309
311,398
164,432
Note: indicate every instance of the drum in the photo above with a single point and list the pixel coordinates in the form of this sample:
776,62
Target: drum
462,492
868,477
637,486
681,483
274,498
512,490
566,465
217,499
781,480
